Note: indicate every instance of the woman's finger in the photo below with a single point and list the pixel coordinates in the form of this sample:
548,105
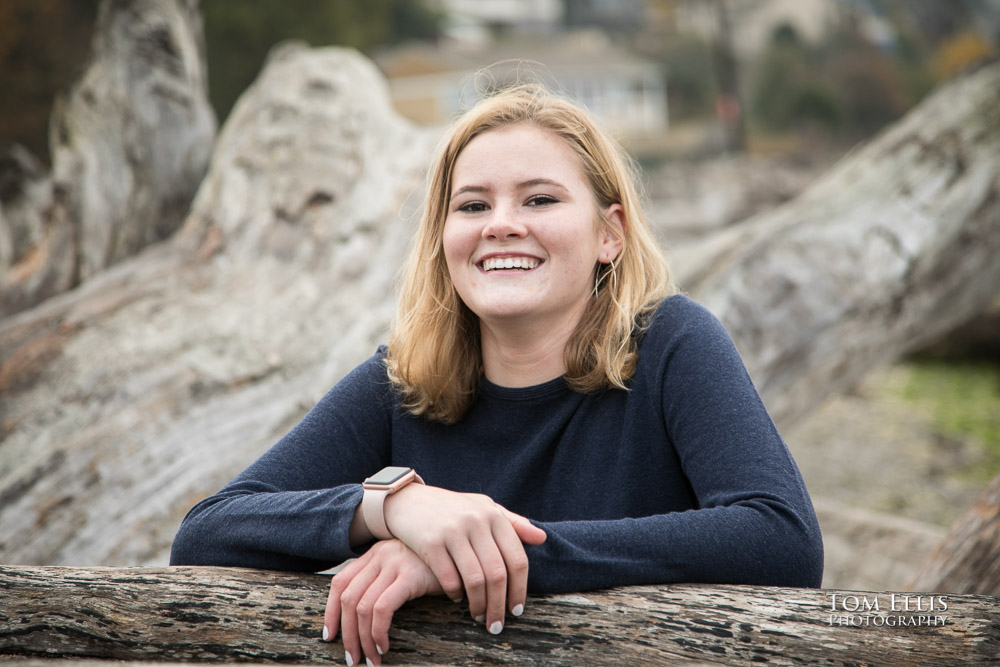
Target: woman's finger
442,564
526,531
366,610
516,563
494,572
349,599
399,591
471,572
331,617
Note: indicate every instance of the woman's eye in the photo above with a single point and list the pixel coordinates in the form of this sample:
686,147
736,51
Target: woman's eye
473,207
542,200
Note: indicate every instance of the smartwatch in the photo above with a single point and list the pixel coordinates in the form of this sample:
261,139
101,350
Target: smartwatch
377,487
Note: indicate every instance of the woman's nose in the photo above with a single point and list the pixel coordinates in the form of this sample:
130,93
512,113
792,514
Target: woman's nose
503,224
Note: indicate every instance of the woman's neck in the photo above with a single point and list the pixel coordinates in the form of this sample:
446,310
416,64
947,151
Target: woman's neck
524,355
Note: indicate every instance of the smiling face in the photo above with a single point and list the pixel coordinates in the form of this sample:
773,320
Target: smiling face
522,235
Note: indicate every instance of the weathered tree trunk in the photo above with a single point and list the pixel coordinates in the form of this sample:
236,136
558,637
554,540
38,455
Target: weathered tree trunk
979,338
153,383
130,143
895,246
233,615
968,559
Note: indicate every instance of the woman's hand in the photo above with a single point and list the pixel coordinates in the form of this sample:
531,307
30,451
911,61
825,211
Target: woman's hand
368,591
469,542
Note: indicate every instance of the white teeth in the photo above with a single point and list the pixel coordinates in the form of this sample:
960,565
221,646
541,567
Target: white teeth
525,263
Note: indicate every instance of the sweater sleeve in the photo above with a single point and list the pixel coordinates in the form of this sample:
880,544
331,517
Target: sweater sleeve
292,508
753,521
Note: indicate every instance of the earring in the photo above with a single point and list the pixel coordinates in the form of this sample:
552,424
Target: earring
600,276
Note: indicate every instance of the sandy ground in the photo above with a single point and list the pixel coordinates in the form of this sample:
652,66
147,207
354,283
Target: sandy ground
886,485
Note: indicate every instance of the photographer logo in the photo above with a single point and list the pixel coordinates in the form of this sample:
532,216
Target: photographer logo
896,610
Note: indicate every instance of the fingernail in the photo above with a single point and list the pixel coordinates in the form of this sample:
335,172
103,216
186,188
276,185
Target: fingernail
517,610
368,661
326,634
349,659
480,618
496,628
457,600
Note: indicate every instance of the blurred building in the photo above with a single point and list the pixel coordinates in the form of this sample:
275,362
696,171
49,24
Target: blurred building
481,21
626,93
754,21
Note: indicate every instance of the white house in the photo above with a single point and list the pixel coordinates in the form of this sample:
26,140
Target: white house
625,93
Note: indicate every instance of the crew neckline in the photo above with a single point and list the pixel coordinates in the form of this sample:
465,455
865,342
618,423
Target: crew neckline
532,392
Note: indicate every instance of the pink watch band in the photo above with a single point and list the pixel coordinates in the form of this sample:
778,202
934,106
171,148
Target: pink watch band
373,502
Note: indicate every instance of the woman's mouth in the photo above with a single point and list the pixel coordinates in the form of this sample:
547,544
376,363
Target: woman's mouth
496,263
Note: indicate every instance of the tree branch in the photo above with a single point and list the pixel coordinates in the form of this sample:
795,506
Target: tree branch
234,615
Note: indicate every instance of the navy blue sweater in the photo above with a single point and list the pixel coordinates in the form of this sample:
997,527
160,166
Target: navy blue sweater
682,478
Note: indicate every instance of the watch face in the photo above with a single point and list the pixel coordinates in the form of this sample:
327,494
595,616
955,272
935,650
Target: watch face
388,475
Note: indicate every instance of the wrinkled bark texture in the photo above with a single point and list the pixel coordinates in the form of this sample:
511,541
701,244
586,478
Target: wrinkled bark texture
146,388
130,143
231,615
156,380
968,558
895,246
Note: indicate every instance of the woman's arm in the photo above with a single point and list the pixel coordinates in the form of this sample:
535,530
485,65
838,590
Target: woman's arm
298,507
293,508
753,521
754,542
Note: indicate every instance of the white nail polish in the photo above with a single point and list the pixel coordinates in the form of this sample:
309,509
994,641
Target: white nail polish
326,634
480,618
368,661
517,610
496,628
349,659
378,648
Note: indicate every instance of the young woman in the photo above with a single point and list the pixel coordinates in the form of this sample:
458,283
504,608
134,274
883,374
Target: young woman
547,416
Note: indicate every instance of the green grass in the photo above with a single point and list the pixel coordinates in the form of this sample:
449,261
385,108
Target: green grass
961,400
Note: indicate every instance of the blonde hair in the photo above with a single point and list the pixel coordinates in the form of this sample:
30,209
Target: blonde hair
434,355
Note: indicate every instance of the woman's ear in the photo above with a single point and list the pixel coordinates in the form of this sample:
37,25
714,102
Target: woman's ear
612,233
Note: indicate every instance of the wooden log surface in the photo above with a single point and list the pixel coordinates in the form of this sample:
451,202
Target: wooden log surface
968,559
892,248
130,143
236,615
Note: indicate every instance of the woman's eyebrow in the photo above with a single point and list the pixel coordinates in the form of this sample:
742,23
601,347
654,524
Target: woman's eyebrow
524,185
469,188
540,181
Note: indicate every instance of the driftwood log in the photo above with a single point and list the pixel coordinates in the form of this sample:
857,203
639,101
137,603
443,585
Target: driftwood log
151,384
968,558
233,615
146,388
130,142
895,246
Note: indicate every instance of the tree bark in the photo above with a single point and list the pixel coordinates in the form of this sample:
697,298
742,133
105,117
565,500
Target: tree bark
891,249
979,338
233,615
130,143
968,559
148,387
154,382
